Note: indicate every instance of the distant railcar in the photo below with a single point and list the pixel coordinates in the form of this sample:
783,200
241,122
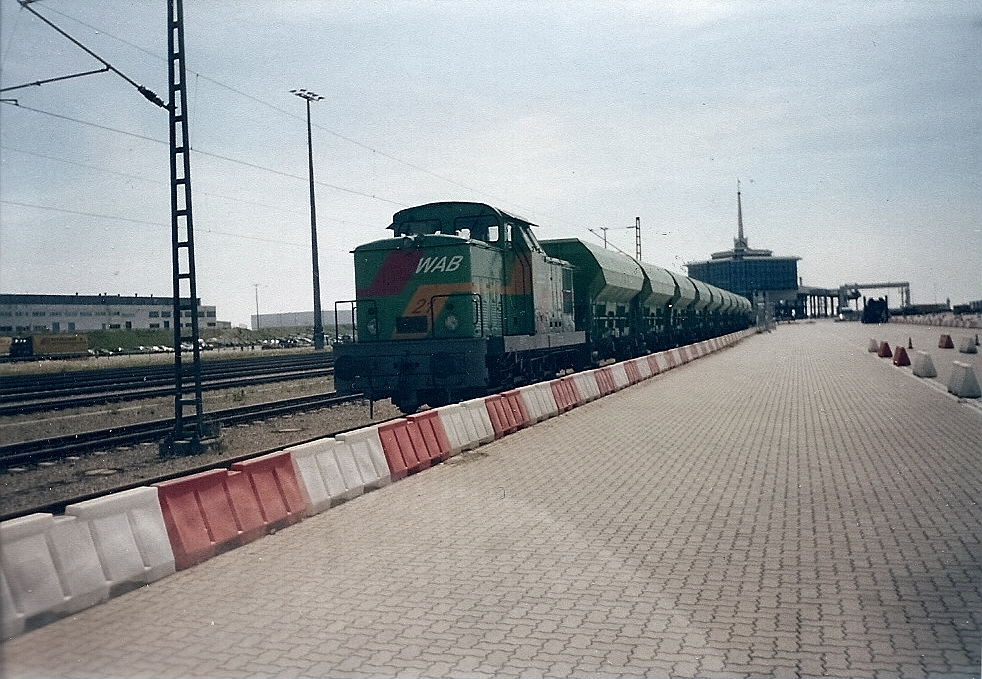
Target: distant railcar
49,346
464,299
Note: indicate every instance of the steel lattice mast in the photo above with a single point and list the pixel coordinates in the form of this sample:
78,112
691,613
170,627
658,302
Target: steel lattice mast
189,423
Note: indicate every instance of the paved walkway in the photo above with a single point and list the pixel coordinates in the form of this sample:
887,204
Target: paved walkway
792,506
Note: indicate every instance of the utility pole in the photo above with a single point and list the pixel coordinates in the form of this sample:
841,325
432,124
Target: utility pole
318,322
637,239
191,432
256,286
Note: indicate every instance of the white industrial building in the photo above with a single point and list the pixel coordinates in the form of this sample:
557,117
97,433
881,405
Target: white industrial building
22,314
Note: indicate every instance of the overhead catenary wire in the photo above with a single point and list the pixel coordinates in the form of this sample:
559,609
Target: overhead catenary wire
149,94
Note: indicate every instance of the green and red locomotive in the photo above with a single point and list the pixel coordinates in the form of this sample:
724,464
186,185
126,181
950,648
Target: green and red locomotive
463,299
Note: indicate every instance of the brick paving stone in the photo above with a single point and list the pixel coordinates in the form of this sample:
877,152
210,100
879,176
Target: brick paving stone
790,506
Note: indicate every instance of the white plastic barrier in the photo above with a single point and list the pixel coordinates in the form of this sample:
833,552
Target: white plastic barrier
923,366
586,386
366,448
539,401
129,535
49,566
644,368
452,419
621,379
966,345
476,415
327,473
963,382
661,360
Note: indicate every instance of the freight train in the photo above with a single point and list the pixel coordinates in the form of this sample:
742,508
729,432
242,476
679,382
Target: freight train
463,299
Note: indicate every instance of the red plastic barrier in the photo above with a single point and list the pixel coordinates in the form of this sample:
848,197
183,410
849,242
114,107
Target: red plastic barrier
507,412
605,381
900,357
404,447
885,350
633,374
274,483
653,364
565,392
517,405
434,435
207,514
945,342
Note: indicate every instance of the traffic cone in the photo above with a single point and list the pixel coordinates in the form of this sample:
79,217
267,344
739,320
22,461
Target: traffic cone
885,351
910,343
900,357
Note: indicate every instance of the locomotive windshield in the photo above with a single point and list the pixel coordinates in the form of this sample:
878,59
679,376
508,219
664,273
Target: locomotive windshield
479,227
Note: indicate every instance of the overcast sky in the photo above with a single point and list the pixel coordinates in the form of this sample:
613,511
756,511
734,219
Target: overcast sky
854,127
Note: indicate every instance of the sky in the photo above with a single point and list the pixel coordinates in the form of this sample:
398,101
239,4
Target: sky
854,128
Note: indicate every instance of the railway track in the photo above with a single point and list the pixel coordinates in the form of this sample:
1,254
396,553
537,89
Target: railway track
26,394
32,452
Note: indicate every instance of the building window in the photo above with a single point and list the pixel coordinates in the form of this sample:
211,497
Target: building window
154,314
6,328
154,326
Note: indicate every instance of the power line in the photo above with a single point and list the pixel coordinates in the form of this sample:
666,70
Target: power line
143,221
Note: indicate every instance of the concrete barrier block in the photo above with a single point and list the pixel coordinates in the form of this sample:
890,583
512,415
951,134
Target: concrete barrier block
274,483
963,383
966,345
129,535
477,416
873,347
369,456
923,366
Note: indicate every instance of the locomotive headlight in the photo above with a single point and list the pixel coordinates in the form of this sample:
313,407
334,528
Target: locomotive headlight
372,326
451,322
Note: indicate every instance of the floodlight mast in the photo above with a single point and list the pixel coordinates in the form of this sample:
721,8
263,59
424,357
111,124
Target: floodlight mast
318,321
